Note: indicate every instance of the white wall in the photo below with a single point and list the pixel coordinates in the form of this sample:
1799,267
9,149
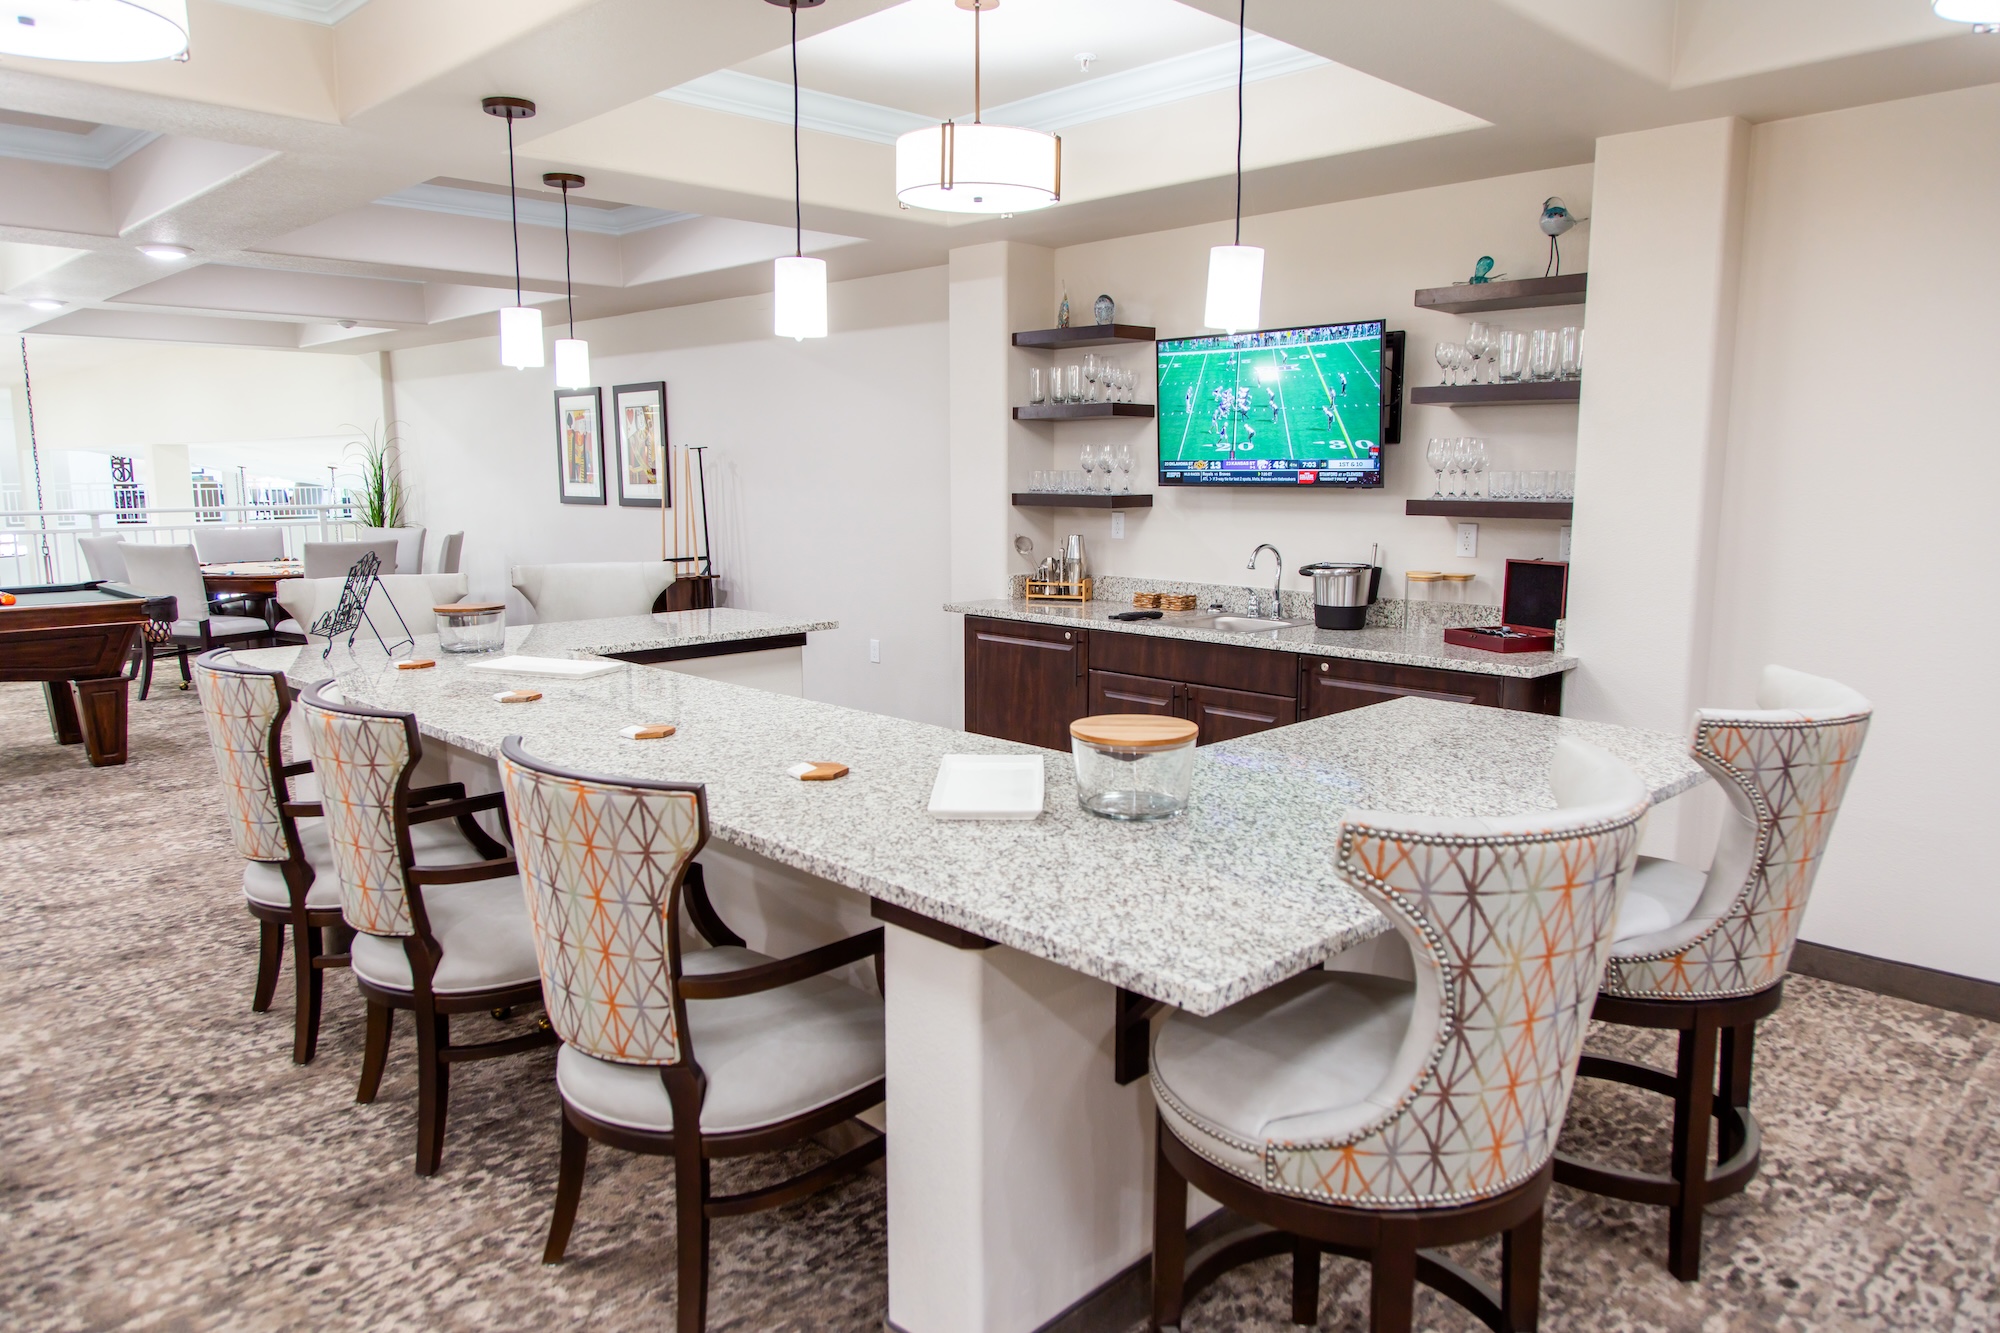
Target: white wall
827,471
1361,259
1856,509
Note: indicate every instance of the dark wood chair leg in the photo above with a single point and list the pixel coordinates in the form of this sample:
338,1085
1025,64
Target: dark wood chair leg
1733,1088
433,1089
145,670
186,678
1169,1233
1521,1275
691,1237
569,1190
1392,1283
1694,1104
375,1050
270,953
1305,1282
305,1018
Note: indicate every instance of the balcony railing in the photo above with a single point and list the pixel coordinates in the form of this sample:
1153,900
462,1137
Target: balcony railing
40,547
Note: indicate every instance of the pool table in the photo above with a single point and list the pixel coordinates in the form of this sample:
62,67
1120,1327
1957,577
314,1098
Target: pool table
75,638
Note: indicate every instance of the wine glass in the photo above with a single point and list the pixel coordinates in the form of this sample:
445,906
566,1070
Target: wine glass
1442,352
1090,369
1123,469
1463,359
1086,462
1436,452
1475,343
1478,463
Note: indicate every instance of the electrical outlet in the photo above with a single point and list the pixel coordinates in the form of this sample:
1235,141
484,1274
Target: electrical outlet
874,650
1562,542
1117,527
1468,540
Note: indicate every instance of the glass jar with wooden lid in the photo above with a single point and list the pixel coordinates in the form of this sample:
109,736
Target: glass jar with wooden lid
471,627
1133,766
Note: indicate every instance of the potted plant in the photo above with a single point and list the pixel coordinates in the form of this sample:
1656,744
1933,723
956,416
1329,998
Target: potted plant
385,498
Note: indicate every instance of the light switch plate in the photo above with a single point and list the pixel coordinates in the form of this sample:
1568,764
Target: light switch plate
874,650
1117,527
1468,540
1562,542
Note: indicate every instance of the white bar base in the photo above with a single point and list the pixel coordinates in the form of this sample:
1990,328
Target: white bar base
781,670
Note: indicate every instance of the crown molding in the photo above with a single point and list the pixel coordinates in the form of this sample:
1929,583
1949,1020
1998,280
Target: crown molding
100,150
739,94
306,11
534,212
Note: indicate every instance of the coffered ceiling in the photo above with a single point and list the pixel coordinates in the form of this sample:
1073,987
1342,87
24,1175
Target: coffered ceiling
327,167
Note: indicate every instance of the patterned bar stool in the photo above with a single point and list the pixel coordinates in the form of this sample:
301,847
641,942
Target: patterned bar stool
287,873
695,1055
1373,1118
444,935
1706,955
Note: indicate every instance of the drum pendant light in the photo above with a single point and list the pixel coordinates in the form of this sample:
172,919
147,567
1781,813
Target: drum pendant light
1236,272
101,31
799,284
978,168
520,325
572,353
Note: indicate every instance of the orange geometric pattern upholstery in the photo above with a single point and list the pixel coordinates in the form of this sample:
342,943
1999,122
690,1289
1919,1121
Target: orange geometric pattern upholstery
240,708
360,760
601,864
1786,776
1513,928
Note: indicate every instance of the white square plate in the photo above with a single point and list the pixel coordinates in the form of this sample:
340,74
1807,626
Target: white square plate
988,786
564,667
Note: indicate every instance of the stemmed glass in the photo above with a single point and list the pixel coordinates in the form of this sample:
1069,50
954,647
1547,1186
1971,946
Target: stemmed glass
1478,463
1475,344
1086,460
1090,368
1121,470
1437,453
1443,354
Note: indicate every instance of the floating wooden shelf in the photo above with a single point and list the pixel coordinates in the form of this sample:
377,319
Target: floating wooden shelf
1522,294
1085,335
1497,395
1081,411
1559,510
1066,500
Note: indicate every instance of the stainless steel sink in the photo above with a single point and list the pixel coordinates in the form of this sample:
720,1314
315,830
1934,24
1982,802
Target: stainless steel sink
1246,624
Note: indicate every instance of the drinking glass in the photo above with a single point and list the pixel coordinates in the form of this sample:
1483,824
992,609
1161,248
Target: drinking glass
1122,470
1086,462
1462,359
1536,485
1513,355
1478,464
1435,454
1475,343
1566,486
1443,354
1501,485
1035,394
1090,369
1569,352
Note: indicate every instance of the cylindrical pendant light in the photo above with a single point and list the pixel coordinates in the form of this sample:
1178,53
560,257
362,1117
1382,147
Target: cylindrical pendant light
572,353
104,31
798,289
1236,272
978,168
520,325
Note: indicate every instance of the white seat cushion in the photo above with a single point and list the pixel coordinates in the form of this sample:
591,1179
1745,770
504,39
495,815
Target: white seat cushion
264,883
289,626
222,627
768,1056
481,927
1660,897
1284,1063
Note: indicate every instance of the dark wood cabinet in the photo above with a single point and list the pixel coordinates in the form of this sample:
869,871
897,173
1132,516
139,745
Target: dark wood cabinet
1025,682
1335,684
1114,692
1223,715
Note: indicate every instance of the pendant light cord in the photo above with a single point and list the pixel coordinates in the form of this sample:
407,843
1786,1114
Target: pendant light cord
568,286
1242,18
35,454
977,9
798,194
514,208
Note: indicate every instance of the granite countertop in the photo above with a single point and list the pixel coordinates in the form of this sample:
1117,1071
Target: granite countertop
666,629
1422,647
1200,911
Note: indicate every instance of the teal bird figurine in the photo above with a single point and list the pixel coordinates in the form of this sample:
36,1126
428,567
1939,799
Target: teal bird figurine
1483,270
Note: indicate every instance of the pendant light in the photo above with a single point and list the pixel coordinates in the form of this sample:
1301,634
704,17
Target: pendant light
1236,272
520,325
1983,15
102,31
572,353
799,284
978,168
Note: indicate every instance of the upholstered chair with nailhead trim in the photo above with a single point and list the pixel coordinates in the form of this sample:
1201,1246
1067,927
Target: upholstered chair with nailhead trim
1373,1118
440,925
694,1054
1706,954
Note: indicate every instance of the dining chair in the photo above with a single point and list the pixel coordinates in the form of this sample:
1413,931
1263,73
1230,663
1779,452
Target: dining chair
175,571
439,929
1705,954
690,1054
415,598
274,817
593,591
332,560
1374,1118
448,552
104,559
409,547
227,546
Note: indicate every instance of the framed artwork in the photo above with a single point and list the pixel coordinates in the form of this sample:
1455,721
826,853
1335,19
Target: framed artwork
580,445
639,425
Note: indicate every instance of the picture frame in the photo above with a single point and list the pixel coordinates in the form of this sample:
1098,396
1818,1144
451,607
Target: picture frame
640,452
580,446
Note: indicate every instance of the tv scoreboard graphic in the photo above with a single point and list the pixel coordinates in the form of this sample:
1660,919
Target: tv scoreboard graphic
1286,407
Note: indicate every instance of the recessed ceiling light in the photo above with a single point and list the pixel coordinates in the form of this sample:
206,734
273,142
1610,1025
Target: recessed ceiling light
166,254
44,303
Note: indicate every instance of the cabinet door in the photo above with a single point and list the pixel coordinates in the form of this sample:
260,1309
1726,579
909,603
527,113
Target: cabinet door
1222,715
1024,682
1334,685
1114,692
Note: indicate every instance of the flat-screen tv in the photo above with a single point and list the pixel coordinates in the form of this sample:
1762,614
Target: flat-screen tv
1281,407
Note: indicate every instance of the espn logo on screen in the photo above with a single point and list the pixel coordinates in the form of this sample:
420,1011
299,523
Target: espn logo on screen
1308,478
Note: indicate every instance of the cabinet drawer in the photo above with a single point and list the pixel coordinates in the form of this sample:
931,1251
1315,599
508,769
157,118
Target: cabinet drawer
1025,682
1112,692
1336,684
1222,715
1255,669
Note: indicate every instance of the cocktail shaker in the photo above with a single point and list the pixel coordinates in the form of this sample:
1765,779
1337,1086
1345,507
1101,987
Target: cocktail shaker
1075,570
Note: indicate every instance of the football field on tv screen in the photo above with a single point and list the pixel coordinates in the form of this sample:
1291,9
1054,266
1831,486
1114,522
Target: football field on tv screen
1295,401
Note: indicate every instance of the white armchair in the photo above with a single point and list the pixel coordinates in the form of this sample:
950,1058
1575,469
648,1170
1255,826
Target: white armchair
593,591
306,600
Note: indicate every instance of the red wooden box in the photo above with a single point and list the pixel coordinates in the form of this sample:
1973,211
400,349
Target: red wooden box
1536,596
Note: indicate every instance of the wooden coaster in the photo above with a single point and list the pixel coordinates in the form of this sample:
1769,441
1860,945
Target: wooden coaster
656,732
820,771
416,664
518,697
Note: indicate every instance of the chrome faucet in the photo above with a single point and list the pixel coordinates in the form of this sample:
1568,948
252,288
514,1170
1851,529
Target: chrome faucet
1276,583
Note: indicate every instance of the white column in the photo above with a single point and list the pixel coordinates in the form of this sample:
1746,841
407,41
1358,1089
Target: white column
1666,238
1019,1171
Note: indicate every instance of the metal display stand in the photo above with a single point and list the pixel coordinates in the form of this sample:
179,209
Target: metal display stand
352,609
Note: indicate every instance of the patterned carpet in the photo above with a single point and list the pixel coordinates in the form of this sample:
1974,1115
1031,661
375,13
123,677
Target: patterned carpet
163,1165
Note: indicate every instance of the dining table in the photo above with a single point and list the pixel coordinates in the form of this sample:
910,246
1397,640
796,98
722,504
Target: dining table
1024,959
249,578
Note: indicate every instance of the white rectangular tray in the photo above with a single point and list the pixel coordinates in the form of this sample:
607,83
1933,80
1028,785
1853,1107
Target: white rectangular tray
566,668
988,786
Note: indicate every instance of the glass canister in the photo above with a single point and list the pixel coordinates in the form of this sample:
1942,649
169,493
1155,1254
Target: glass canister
471,627
1133,766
